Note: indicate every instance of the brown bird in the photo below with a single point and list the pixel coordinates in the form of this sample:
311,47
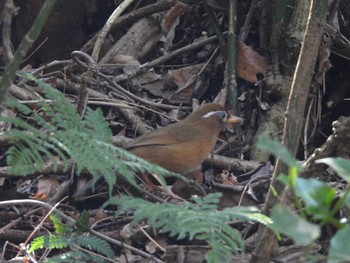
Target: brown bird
183,146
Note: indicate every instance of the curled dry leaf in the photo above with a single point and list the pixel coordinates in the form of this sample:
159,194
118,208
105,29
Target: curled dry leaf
225,178
158,243
171,21
149,80
185,80
250,63
324,63
176,11
47,187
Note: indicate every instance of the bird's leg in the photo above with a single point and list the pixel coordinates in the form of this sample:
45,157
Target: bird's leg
163,188
149,183
169,191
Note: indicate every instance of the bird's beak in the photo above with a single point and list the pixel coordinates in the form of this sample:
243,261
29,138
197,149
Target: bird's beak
234,119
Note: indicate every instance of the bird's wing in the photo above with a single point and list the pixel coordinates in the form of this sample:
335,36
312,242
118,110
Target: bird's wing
169,135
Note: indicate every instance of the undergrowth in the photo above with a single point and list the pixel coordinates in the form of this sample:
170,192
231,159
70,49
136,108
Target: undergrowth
56,130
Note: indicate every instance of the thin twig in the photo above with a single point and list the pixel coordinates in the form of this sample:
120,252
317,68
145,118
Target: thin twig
106,28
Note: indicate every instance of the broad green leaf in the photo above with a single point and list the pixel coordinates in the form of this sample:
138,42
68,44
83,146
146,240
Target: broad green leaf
293,176
339,250
340,165
283,178
278,150
289,223
317,196
347,198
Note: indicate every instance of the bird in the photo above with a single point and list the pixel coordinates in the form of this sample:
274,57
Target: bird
183,146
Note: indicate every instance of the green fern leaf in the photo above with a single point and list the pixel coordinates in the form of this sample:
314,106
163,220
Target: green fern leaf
55,129
197,220
52,241
82,223
58,242
60,228
94,120
22,108
96,244
37,243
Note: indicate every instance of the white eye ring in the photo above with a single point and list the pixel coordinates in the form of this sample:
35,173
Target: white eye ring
221,114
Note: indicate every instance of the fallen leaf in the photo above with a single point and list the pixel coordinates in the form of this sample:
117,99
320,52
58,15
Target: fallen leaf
250,63
225,178
47,186
173,14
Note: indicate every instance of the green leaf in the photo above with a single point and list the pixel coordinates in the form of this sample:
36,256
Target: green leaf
292,225
278,150
283,178
51,241
248,213
37,243
95,121
196,220
318,197
59,227
55,129
55,241
96,244
340,165
347,198
82,222
340,246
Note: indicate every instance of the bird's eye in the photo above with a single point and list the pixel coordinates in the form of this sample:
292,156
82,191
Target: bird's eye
221,114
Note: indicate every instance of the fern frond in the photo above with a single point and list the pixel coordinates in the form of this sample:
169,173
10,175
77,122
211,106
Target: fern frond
60,228
57,130
196,221
37,243
96,244
67,237
22,108
94,120
51,242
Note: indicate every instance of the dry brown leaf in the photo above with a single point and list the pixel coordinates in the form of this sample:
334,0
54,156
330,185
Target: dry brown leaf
225,178
250,63
176,11
100,215
158,243
182,75
185,79
170,22
324,63
47,186
149,80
